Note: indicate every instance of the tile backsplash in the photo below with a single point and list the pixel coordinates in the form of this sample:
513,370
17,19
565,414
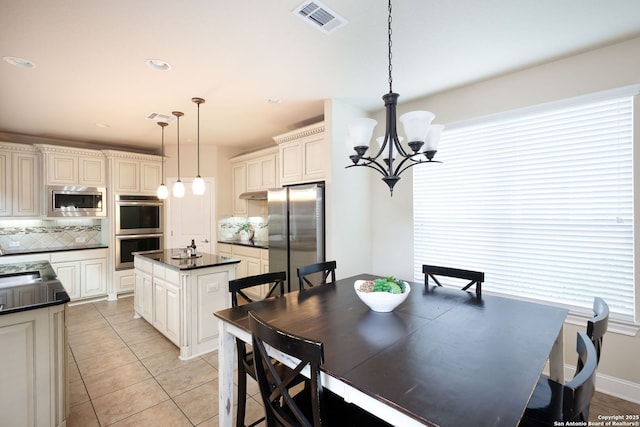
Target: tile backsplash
228,227
17,235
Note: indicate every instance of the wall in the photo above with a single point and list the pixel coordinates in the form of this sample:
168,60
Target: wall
348,191
601,69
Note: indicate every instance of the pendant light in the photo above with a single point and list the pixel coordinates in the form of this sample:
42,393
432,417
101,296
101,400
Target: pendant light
178,187
163,191
421,135
198,182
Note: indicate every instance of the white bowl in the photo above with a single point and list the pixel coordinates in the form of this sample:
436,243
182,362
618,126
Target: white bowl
382,302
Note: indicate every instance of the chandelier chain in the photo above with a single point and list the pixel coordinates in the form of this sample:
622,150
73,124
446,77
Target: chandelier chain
390,56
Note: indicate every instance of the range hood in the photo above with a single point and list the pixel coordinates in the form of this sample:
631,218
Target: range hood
254,195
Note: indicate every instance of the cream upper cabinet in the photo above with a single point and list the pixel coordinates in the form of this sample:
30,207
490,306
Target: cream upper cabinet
262,172
303,155
19,181
132,173
255,171
239,182
73,166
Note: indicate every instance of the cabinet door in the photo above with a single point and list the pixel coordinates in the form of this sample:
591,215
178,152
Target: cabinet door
94,277
242,267
150,177
159,305
254,175
62,169
313,160
127,176
239,176
290,163
69,275
253,266
6,184
269,172
147,297
26,185
91,171
138,293
173,312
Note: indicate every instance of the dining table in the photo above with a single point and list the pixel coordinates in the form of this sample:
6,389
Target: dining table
443,357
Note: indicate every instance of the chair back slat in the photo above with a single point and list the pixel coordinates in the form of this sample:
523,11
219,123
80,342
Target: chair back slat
598,325
321,271
475,277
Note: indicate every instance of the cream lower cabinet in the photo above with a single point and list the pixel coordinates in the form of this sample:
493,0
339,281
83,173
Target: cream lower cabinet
253,261
180,303
82,273
34,367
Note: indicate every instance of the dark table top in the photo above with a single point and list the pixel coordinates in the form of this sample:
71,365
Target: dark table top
169,257
20,292
442,357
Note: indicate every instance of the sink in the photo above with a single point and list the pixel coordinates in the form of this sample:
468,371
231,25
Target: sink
17,279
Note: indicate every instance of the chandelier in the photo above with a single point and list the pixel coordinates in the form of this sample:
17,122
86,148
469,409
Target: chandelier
422,137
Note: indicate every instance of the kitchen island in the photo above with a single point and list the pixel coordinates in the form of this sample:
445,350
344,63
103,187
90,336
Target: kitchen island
178,296
33,346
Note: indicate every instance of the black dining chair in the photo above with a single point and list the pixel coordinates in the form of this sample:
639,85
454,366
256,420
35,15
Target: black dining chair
286,405
566,402
598,325
475,277
316,274
275,283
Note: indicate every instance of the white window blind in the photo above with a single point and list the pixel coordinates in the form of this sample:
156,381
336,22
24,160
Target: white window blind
541,202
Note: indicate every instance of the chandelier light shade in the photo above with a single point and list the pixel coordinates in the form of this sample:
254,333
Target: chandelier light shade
392,159
163,191
198,183
178,187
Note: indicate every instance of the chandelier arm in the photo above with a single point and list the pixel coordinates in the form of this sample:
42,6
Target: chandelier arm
413,163
376,167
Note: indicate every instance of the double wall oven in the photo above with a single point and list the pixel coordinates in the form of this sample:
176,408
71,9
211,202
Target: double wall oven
139,223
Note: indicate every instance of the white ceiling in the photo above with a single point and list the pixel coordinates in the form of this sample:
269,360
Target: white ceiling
90,60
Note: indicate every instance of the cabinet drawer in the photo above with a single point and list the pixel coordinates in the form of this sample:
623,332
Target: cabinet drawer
80,255
143,265
245,251
264,254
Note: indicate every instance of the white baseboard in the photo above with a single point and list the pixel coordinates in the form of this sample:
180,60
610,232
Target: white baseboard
617,387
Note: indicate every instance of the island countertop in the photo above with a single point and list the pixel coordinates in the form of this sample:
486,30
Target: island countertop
28,286
170,257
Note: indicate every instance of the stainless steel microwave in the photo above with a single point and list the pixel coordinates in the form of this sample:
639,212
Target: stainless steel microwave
76,201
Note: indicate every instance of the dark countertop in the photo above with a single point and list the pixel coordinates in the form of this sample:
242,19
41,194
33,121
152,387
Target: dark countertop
18,292
203,260
261,244
10,251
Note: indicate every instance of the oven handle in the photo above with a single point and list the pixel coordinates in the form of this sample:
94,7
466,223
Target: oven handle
140,203
137,236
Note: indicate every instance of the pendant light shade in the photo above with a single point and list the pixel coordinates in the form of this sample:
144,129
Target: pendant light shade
198,183
178,187
163,191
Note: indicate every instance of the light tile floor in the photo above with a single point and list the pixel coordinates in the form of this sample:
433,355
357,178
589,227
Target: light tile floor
122,372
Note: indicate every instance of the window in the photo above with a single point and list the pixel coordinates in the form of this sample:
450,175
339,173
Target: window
540,200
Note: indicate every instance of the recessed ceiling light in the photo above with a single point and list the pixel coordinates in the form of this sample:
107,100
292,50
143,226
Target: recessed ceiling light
158,64
103,125
18,62
273,101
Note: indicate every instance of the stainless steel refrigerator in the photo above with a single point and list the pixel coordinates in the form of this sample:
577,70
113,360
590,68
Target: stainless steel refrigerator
296,229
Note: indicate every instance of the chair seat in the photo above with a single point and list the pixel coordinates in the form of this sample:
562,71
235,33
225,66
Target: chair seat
545,406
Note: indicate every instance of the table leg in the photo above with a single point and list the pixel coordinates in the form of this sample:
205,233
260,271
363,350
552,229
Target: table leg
225,374
556,359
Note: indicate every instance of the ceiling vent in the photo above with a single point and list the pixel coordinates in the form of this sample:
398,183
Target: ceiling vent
320,16
160,117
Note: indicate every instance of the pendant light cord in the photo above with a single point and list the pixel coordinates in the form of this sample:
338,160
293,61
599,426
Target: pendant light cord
198,139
